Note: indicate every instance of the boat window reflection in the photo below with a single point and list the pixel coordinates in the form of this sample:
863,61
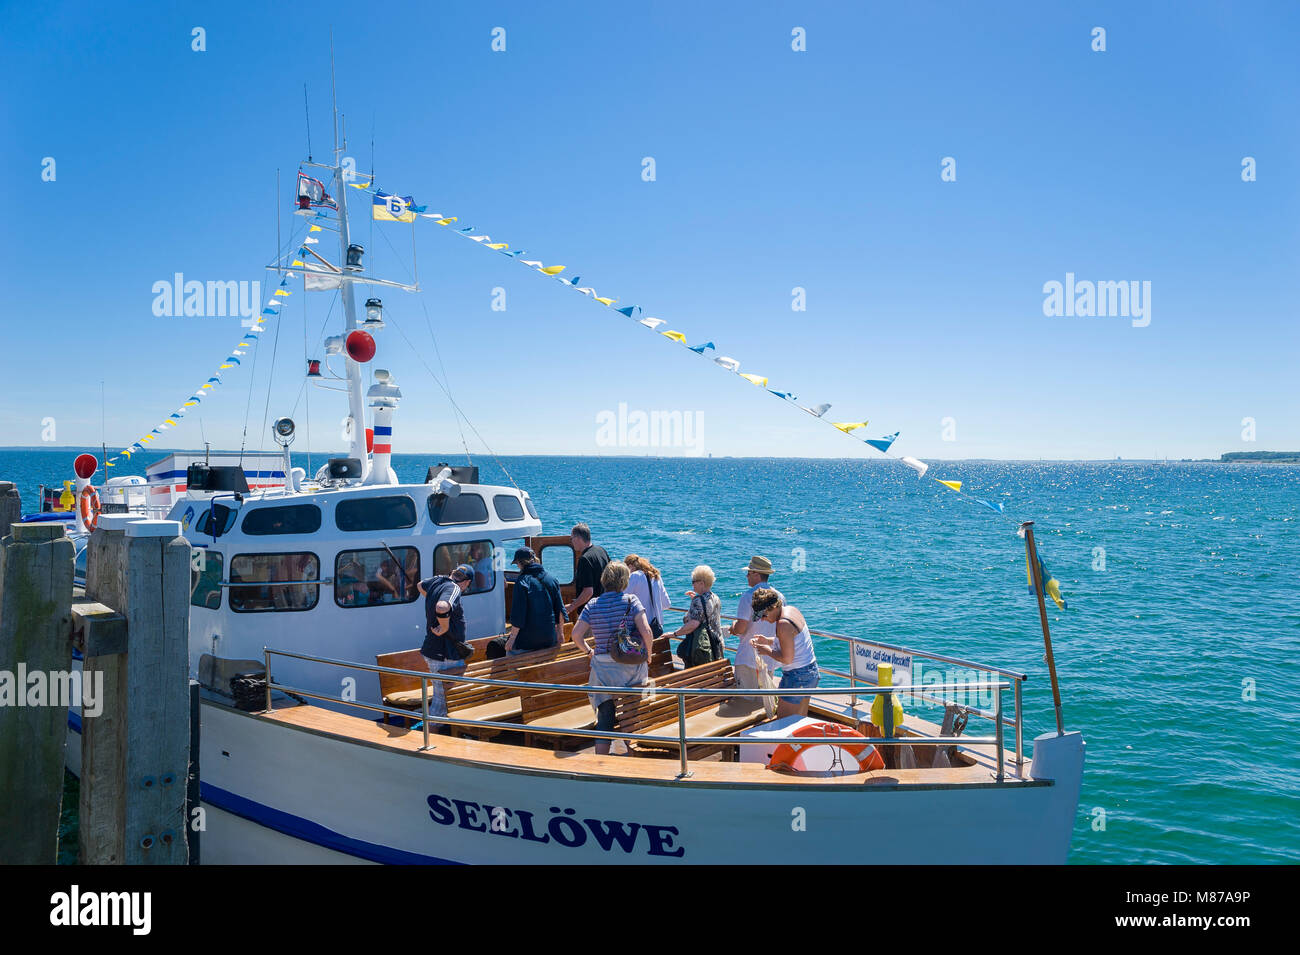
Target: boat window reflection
461,509
478,554
375,513
205,579
287,519
372,578
508,507
260,576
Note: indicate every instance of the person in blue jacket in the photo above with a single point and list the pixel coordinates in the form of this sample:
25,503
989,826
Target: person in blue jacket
537,612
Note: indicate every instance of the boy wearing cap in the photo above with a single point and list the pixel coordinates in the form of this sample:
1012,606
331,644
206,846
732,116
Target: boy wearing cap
747,625
537,612
445,619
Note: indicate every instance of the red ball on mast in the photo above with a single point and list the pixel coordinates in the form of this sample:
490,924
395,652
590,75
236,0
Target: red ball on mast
85,466
360,346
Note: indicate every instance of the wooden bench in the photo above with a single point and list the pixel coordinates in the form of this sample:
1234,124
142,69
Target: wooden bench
404,691
501,704
572,709
705,715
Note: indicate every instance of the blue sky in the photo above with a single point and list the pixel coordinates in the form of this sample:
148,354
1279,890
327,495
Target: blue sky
775,169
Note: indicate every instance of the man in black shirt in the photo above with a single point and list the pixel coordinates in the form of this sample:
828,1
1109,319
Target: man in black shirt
445,619
591,564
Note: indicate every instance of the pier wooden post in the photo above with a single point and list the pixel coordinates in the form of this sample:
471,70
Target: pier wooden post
158,700
35,640
102,816
11,507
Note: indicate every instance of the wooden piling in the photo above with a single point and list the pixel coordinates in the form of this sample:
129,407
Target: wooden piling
158,702
36,566
11,507
102,815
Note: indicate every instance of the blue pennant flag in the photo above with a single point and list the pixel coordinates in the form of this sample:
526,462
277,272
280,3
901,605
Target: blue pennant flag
698,349
632,308
989,504
787,395
468,228
882,444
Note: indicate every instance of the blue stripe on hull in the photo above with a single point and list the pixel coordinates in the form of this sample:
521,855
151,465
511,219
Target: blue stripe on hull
308,831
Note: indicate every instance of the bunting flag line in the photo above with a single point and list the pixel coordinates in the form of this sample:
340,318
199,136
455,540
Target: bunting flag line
317,197
882,444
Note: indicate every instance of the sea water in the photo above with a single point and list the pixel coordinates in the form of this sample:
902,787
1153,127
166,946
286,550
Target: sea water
1177,653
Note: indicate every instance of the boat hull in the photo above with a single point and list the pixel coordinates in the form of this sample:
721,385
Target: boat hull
279,793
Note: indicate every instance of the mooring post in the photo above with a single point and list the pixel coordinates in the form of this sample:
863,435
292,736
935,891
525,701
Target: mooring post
35,688
11,507
102,816
158,695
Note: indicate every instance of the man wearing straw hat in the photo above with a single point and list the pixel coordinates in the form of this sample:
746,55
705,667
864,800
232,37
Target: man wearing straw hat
757,573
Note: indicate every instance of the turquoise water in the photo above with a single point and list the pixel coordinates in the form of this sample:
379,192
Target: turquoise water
1197,602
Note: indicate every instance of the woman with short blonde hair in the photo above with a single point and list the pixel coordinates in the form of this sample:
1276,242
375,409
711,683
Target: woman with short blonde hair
702,627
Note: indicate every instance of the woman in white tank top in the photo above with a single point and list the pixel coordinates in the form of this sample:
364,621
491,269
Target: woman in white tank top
792,648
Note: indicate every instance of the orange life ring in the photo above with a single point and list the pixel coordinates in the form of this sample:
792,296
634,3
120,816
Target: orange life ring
89,507
868,756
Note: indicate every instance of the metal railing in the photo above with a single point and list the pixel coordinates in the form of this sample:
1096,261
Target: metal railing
651,691
1016,677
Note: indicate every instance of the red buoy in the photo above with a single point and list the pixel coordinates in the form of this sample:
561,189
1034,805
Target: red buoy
85,466
370,440
360,346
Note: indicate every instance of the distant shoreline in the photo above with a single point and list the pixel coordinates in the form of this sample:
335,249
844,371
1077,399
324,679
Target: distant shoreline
1231,457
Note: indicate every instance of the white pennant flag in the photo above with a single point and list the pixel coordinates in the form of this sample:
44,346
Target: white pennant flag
650,322
920,467
728,363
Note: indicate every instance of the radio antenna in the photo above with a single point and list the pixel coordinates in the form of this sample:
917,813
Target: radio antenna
306,109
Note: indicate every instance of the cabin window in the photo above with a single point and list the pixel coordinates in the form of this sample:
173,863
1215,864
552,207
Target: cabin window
478,554
205,578
557,560
462,509
270,582
372,578
508,507
532,511
375,513
287,519
205,523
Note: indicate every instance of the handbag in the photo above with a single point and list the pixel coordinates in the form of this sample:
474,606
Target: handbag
625,647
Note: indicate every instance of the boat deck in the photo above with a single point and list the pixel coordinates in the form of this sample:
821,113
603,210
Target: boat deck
585,763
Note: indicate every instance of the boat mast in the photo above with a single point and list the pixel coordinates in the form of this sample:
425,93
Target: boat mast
356,407
1031,555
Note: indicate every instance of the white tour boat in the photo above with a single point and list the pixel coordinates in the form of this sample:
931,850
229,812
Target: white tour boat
315,746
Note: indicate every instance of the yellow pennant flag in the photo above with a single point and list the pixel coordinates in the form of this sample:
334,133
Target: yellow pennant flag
759,380
847,426
448,221
359,185
606,301
675,336
297,264
954,485
314,228
281,291
552,269
219,368
190,404
498,245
